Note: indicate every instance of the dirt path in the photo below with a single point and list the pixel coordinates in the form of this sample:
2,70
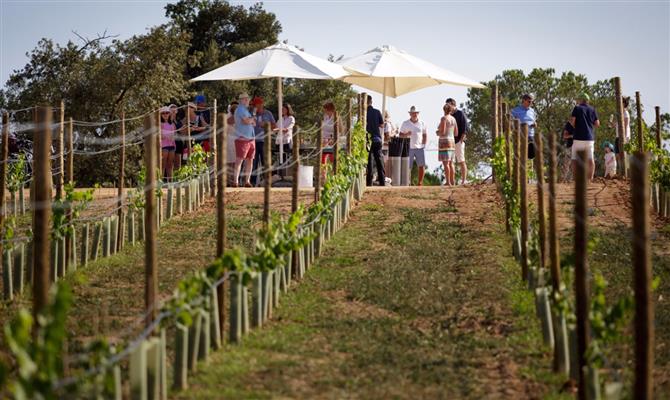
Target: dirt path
416,297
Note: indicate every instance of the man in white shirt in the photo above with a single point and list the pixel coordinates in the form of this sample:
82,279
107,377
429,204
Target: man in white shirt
415,129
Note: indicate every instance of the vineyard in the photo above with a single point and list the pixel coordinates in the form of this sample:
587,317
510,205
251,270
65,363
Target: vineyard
184,288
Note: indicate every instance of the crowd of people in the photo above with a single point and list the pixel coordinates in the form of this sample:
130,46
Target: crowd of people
248,118
410,139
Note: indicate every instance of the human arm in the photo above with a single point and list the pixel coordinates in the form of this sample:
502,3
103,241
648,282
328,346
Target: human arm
424,136
440,127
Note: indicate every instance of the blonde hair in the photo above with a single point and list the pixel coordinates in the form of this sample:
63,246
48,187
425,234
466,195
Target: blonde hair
448,109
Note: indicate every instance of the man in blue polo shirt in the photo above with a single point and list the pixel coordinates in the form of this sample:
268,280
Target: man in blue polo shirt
373,126
526,115
584,119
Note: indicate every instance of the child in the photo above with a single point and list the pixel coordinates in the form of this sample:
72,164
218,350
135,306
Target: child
610,160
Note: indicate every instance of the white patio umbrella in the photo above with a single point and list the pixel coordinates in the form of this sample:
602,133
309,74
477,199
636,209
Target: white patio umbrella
277,61
393,72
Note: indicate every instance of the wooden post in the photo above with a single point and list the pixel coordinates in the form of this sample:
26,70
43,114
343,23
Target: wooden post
222,170
295,193
267,174
506,131
122,168
70,151
188,130
69,249
644,304
349,125
554,257
640,135
159,155
319,154
212,140
150,261
60,150
516,160
541,215
581,270
3,175
336,137
524,200
658,127
494,120
41,206
622,164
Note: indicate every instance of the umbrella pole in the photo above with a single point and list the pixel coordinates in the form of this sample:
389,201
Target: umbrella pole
280,120
384,98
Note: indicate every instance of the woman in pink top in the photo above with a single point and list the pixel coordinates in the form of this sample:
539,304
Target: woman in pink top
446,132
168,144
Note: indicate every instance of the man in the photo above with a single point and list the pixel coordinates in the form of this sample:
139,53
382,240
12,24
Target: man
584,119
526,115
245,145
462,123
418,136
373,125
263,116
204,116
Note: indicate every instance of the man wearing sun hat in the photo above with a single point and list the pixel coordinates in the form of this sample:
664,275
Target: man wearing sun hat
415,129
245,145
584,119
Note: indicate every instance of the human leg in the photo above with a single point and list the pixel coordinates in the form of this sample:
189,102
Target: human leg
452,173
379,160
368,170
170,165
258,162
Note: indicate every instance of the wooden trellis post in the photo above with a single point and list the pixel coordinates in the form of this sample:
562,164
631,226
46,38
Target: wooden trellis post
221,168
120,191
494,120
60,149
3,177
524,200
506,130
41,206
319,154
69,242
150,260
623,164
336,136
516,165
640,134
581,270
212,140
657,109
539,167
644,304
350,116
267,174
295,193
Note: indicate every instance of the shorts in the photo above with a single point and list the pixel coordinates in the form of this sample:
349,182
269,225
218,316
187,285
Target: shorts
460,152
446,155
327,158
579,145
419,155
168,148
245,149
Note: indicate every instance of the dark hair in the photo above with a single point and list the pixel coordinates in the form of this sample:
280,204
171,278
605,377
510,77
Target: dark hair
329,106
234,102
626,101
451,101
369,99
288,108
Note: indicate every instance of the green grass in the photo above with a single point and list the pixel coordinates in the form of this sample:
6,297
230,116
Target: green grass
420,308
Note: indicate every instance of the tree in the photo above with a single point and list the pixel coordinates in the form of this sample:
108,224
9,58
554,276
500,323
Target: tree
221,33
96,81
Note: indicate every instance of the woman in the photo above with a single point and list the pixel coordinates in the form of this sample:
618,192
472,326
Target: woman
328,132
285,138
446,131
168,144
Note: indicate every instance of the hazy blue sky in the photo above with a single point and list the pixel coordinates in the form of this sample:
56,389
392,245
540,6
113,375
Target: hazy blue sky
477,39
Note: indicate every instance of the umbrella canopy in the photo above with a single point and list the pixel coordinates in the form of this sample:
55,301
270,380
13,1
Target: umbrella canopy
393,72
277,61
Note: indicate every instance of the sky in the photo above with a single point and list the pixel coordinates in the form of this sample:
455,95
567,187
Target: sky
477,39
